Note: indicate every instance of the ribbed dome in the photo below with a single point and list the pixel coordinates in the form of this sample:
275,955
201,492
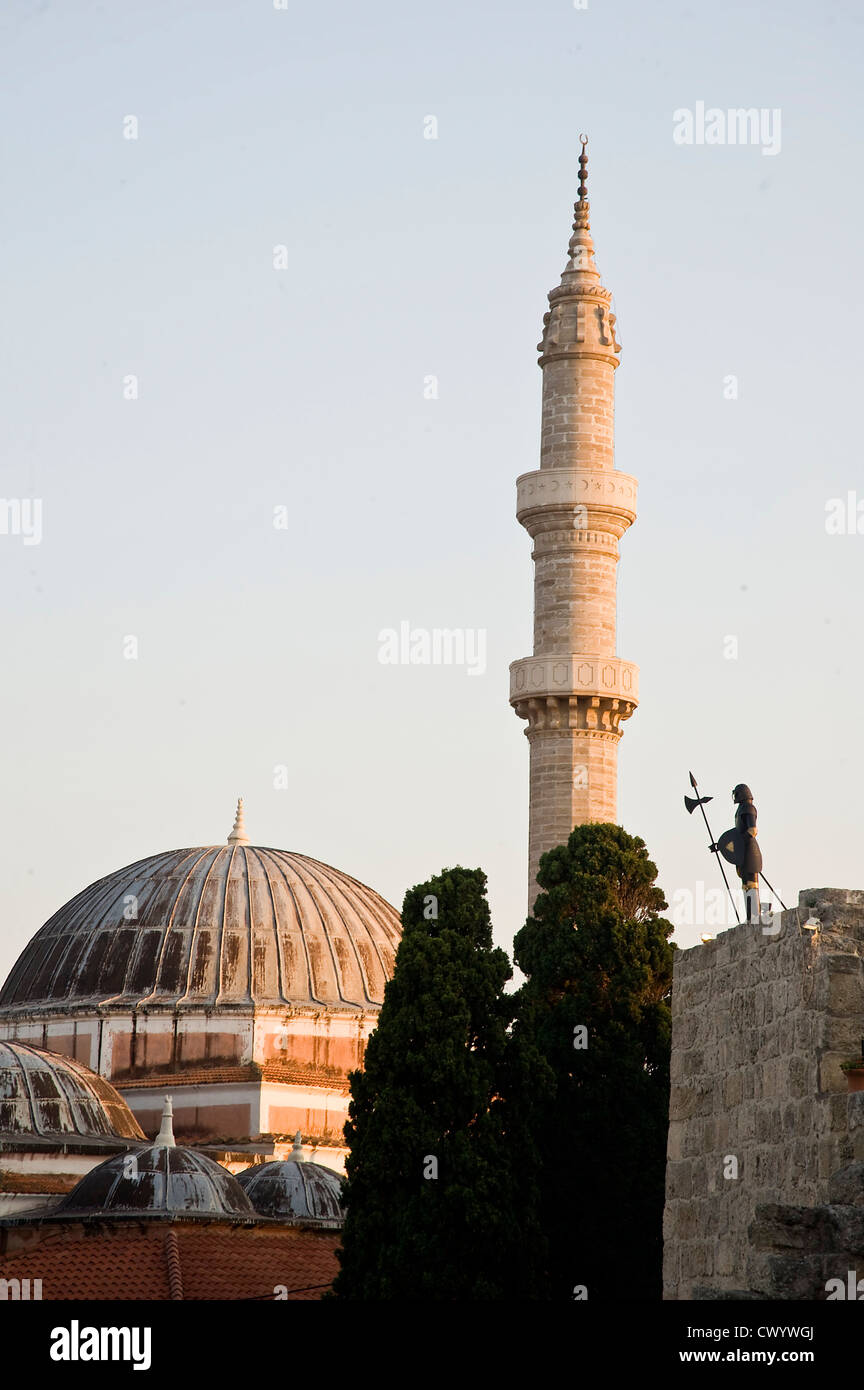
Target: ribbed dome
47,1100
223,925
294,1191
158,1181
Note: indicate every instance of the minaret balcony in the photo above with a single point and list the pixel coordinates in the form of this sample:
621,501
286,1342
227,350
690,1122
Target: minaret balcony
603,494
542,676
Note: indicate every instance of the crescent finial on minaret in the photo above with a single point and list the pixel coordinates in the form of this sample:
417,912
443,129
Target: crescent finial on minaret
581,248
238,834
583,167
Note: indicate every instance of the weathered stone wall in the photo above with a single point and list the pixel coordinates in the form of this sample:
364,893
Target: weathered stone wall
815,1253
760,1026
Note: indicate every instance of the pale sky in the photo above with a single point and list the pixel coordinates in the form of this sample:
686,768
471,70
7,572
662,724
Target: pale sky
303,387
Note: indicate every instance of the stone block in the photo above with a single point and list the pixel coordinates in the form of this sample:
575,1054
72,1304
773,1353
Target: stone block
846,989
846,1186
688,1100
846,1228
768,1125
769,1167
732,1090
836,1113
831,1075
684,1222
776,1226
697,1260
799,1278
678,1181
827,1160
675,1144
855,1111
799,1080
694,1062
728,1256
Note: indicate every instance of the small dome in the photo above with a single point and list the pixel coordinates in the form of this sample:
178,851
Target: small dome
162,1180
294,1191
47,1100
224,926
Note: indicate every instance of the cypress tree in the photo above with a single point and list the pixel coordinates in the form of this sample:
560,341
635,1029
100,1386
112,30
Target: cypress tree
436,1198
595,1008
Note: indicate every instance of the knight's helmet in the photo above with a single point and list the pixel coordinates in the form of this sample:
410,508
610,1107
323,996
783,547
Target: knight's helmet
741,793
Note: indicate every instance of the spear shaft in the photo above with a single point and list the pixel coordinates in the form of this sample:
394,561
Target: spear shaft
714,849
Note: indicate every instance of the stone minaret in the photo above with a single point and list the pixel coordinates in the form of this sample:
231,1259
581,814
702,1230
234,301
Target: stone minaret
574,691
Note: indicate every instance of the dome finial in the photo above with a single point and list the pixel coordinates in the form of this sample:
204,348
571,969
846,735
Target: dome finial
238,835
583,167
297,1155
165,1138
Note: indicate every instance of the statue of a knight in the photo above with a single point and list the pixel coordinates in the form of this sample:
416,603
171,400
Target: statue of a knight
738,846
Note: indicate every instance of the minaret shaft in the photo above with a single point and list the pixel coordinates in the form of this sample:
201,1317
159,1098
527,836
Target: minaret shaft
574,691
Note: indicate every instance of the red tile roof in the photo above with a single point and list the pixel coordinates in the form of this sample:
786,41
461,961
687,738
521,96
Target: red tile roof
161,1261
289,1073
10,1181
190,1076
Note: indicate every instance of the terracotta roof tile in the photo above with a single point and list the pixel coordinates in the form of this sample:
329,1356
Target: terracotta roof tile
191,1076
297,1074
11,1181
290,1073
211,1262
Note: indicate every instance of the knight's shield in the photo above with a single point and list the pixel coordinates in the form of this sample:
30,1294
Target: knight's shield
730,845
741,849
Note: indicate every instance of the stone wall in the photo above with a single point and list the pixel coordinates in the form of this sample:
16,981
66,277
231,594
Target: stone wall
760,1025
815,1253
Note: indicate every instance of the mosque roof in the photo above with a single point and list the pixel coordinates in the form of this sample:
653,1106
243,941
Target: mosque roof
161,1179
182,1261
220,926
294,1189
48,1101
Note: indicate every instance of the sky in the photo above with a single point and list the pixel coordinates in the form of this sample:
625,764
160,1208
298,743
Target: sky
233,261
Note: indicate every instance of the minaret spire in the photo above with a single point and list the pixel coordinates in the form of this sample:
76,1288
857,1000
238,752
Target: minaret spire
575,691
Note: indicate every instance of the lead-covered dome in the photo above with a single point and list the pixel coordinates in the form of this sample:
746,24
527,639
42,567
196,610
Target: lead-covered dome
158,1181
295,1190
47,1100
220,926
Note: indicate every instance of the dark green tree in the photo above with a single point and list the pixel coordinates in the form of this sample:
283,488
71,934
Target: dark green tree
441,1187
595,1008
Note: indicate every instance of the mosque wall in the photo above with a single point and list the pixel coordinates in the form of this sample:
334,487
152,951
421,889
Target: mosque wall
325,1039
761,1024
118,1045
204,1112
234,1111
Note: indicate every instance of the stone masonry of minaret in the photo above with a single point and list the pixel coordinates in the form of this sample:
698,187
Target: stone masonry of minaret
575,691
